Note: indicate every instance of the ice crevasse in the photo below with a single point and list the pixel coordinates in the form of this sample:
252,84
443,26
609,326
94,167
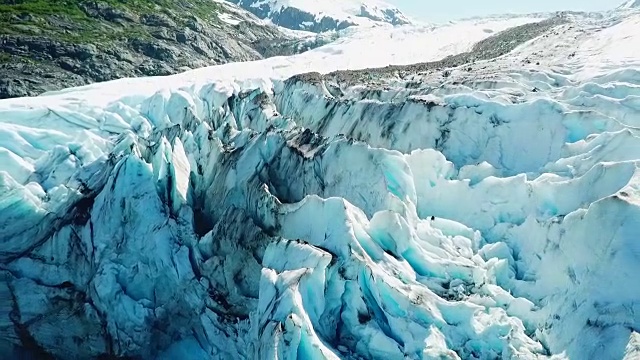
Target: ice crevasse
492,217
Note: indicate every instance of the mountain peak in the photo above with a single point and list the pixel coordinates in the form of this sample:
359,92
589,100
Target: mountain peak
630,4
325,16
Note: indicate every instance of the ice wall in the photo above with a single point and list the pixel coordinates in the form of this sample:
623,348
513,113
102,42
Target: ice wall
493,218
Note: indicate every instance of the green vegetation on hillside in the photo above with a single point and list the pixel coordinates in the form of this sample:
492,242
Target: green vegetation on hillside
72,8
44,17
53,44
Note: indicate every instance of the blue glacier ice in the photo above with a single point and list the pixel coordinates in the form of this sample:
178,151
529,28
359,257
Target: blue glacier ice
242,212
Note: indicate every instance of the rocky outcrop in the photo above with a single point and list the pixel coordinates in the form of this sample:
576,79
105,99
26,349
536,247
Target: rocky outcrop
96,41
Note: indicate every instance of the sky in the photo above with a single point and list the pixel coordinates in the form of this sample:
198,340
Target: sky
445,10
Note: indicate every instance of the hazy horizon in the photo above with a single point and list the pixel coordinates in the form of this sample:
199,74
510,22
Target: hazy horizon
456,9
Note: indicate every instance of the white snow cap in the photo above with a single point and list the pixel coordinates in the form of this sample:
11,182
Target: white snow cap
351,10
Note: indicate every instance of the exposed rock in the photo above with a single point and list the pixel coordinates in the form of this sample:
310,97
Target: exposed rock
157,20
105,11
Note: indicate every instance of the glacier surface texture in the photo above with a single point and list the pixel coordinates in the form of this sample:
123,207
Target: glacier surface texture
251,211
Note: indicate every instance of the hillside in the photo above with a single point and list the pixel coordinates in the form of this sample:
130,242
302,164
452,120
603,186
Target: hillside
52,44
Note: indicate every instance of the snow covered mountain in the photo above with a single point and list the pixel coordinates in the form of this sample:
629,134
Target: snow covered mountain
472,191
320,16
631,4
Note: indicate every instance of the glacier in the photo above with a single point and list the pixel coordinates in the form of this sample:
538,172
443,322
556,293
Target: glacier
252,211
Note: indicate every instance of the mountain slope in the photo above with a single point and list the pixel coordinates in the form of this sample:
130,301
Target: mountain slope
326,15
48,45
474,206
631,4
